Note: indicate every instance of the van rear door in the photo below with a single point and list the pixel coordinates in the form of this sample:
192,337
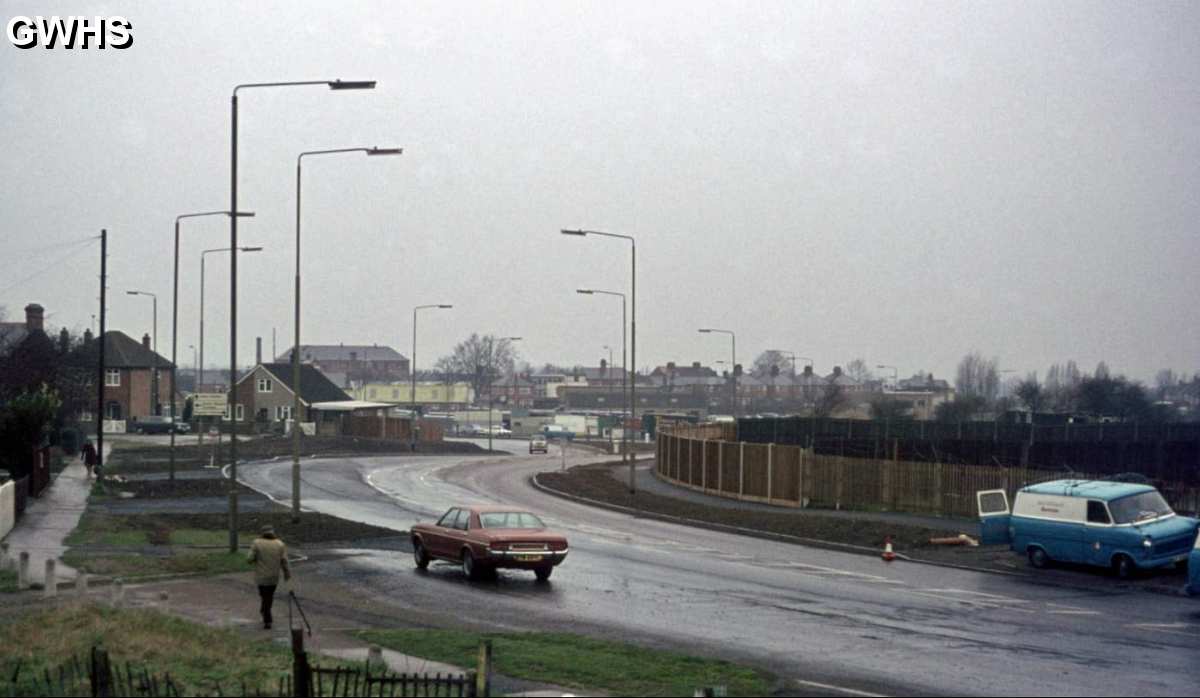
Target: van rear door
993,517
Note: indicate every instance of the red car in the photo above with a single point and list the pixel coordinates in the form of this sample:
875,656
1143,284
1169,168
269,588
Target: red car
484,539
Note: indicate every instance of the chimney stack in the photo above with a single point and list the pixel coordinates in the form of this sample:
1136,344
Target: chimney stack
257,350
146,341
695,364
34,315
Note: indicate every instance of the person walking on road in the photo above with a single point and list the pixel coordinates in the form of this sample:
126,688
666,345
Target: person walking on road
88,453
268,554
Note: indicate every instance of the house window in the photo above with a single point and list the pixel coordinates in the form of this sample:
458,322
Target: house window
264,385
112,378
241,413
283,413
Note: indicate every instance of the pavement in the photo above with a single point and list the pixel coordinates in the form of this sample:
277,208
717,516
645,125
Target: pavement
49,519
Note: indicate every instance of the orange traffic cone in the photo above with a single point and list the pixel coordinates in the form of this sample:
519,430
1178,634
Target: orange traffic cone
888,555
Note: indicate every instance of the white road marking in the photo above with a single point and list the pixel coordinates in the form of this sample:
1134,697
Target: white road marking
1185,629
990,598
838,689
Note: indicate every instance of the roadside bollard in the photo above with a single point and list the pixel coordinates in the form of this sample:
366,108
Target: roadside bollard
23,571
118,593
51,587
81,584
375,657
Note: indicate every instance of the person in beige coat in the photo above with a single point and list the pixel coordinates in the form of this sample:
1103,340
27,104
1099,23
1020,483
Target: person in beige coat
268,554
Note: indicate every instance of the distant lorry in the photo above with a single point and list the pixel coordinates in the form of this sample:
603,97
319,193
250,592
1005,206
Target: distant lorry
1123,526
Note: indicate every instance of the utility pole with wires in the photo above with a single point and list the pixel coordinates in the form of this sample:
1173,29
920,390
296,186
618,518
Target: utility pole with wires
100,363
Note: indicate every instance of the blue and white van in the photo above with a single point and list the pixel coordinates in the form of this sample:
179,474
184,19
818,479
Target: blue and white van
1119,525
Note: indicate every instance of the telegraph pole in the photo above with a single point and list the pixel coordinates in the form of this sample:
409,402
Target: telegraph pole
100,365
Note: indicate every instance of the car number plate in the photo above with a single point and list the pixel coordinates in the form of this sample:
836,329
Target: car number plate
529,558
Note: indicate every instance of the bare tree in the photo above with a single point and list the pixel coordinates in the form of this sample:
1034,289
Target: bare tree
832,398
978,377
482,360
858,370
1030,393
770,359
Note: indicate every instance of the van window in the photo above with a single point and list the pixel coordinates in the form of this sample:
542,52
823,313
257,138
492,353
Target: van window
1139,507
1097,513
990,502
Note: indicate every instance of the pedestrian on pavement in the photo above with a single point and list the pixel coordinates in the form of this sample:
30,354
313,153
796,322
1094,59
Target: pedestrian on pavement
268,554
89,456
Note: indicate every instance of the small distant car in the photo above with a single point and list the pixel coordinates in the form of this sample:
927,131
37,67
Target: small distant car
499,432
554,431
160,425
537,444
484,539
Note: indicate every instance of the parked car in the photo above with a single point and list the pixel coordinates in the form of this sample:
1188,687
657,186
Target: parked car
160,425
537,444
499,432
484,539
1120,525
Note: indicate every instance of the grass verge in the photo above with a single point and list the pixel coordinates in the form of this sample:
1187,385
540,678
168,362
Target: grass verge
579,662
197,657
8,581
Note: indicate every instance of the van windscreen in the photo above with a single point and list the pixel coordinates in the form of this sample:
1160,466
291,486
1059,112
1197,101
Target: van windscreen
1139,507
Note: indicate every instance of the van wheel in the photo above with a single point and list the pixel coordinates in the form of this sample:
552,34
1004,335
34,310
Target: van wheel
1038,558
1123,567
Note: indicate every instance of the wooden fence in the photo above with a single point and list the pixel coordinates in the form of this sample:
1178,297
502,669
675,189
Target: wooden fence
392,428
792,476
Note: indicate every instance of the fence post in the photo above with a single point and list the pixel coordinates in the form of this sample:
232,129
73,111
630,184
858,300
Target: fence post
720,467
23,570
839,480
301,672
5,560
770,469
800,476
483,669
50,588
741,468
691,462
704,465
937,486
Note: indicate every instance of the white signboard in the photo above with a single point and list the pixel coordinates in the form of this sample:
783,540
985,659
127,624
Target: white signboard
209,404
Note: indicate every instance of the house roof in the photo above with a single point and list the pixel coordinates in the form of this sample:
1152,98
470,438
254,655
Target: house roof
12,334
687,370
123,351
341,352
314,386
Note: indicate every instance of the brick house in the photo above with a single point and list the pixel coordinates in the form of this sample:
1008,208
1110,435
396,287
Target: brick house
129,372
265,393
353,362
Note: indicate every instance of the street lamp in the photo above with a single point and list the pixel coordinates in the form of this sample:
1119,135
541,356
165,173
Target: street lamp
175,316
200,379
491,403
337,85
732,362
412,368
624,374
154,374
632,323
296,323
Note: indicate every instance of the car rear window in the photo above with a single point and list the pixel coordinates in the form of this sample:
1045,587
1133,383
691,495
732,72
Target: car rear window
510,519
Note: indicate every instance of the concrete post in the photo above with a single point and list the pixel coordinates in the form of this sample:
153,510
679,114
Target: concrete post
741,468
770,469
800,476
704,465
118,593
51,586
720,467
375,658
23,570
691,461
81,584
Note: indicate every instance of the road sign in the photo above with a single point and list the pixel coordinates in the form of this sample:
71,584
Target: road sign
209,404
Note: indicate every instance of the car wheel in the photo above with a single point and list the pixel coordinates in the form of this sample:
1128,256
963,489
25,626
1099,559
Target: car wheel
469,567
543,573
420,555
1038,558
1123,567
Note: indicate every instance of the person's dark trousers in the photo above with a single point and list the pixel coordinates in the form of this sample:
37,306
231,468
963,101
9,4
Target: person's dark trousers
267,593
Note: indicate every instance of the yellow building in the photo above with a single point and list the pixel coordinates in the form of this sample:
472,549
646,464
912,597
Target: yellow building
429,393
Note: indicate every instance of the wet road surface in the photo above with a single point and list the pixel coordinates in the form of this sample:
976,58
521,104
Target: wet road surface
831,619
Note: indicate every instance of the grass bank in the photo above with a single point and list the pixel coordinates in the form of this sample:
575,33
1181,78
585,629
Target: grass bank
579,662
197,657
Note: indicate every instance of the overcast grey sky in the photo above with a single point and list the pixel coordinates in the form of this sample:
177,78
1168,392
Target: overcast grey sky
901,182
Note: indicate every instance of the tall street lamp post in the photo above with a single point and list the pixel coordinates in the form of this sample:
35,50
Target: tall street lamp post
296,323
732,362
233,243
491,403
412,369
154,348
203,253
624,375
175,318
632,330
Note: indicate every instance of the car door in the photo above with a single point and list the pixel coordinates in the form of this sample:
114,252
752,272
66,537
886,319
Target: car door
1100,538
437,541
994,517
